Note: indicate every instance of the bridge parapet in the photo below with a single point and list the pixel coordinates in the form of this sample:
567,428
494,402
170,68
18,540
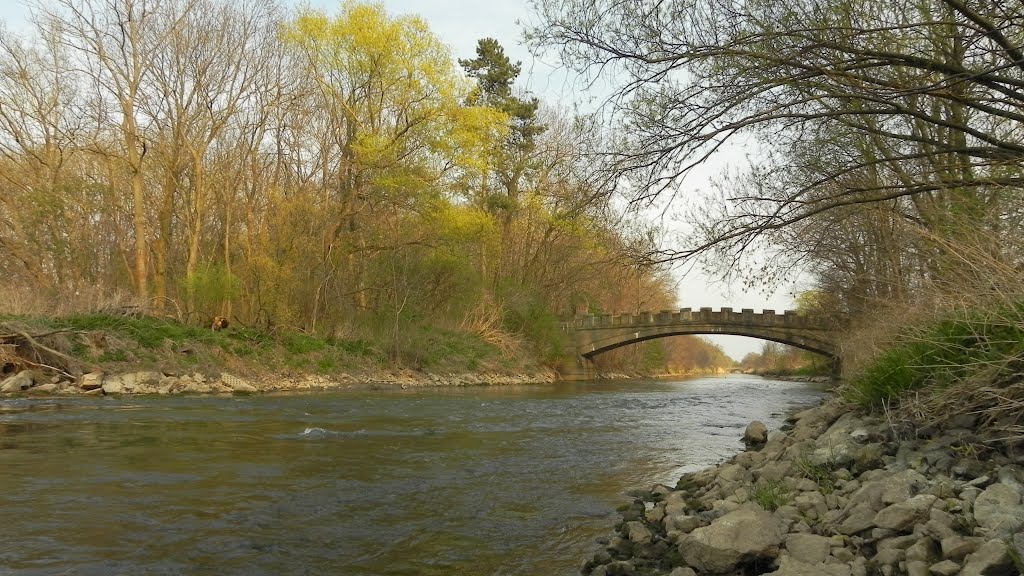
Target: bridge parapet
747,317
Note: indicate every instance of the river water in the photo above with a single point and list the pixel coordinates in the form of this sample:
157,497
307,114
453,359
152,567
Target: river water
440,481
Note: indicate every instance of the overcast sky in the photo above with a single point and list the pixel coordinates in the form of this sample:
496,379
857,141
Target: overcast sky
460,23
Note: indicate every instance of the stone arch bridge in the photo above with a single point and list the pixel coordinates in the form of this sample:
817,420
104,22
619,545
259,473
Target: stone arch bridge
589,335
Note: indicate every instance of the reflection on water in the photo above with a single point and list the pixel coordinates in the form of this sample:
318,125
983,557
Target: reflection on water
473,481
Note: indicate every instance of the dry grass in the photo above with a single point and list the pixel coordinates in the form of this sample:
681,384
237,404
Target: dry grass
956,348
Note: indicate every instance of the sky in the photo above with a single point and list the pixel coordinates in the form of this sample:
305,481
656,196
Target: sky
460,23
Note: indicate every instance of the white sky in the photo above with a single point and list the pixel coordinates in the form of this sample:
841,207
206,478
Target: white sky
460,23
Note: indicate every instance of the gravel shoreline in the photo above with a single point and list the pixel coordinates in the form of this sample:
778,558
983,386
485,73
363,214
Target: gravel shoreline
834,493
31,382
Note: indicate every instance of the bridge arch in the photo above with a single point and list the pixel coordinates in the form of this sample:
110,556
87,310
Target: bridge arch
606,343
590,335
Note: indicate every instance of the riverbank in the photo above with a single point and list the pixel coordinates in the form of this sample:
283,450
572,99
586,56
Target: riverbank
156,382
835,492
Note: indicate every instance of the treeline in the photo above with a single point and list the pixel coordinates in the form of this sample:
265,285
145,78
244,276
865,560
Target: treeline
340,174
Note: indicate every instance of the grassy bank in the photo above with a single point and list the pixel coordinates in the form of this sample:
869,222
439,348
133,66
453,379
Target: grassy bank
959,361
80,343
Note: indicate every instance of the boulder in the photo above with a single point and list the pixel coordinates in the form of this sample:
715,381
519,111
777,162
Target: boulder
21,381
91,381
858,519
945,568
956,547
682,571
682,523
808,548
113,385
741,535
999,510
903,515
991,559
637,532
755,434
44,389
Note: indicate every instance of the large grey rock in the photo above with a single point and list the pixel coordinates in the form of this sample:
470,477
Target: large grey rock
740,535
956,547
992,559
756,433
91,381
999,510
682,571
903,515
637,532
21,381
790,566
682,523
945,568
113,385
809,548
858,519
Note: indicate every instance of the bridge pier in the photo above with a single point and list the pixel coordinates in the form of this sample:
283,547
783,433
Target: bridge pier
576,368
837,368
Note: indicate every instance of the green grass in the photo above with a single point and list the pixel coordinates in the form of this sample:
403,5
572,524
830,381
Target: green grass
821,474
946,352
160,343
769,495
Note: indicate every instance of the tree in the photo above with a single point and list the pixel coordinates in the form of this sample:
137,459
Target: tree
922,99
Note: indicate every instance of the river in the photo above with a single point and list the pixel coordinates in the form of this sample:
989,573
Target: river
441,481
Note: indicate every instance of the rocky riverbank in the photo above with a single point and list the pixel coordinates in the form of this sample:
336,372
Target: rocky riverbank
835,493
153,382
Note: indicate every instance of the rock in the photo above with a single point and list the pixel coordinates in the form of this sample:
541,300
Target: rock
991,559
742,535
860,436
620,568
999,510
20,381
860,518
903,515
91,381
945,568
638,533
916,568
44,389
774,471
790,566
682,523
683,571
755,434
808,548
112,385
811,503
956,547
889,556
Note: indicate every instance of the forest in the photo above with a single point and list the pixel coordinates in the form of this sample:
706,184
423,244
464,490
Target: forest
339,175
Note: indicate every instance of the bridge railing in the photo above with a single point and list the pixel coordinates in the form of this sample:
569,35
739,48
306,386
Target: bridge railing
746,316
